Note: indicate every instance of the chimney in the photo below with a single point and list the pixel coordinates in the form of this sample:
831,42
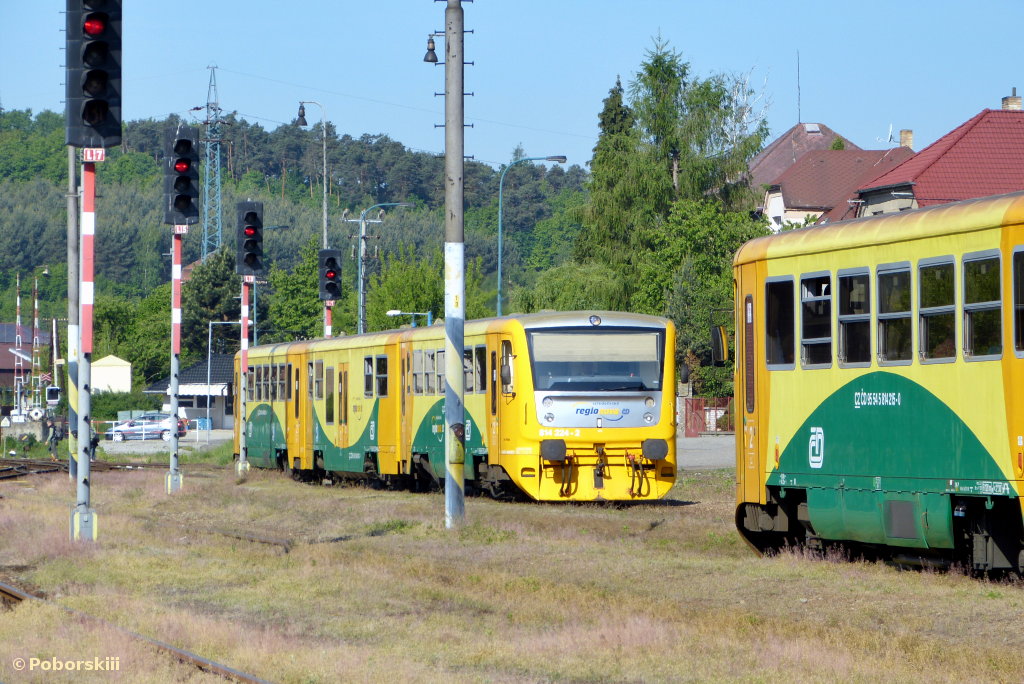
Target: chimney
906,137
1012,101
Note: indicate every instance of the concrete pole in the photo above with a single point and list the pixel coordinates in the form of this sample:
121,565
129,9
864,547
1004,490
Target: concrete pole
243,373
71,387
173,479
362,274
454,268
83,517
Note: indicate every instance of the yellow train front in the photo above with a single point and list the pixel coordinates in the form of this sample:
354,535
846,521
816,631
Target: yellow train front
575,406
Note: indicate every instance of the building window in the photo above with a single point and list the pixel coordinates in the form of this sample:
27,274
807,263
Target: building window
855,318
816,320
983,307
779,322
894,331
937,310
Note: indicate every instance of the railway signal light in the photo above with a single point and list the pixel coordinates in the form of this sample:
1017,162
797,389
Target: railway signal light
249,255
330,274
93,73
181,178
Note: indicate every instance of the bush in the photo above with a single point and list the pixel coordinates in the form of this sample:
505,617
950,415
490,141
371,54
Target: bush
105,405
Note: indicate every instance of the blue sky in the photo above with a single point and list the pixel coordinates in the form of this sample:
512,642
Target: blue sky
542,67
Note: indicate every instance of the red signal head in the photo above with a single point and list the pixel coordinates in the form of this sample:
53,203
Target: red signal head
330,274
94,25
249,231
182,165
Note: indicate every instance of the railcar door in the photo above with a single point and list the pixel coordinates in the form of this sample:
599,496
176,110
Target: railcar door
308,416
749,459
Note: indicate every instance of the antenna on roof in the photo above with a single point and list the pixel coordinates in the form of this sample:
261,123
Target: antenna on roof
889,139
798,118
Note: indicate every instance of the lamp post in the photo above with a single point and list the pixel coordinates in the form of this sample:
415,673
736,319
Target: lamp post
414,314
362,258
501,183
323,131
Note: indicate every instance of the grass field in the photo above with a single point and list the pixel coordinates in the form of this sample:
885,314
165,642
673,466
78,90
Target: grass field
368,586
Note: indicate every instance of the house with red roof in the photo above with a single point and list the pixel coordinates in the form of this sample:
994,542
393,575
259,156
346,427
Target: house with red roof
785,150
983,156
822,185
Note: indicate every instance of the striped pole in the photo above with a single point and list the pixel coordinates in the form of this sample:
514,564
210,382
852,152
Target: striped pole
71,386
454,270
83,518
36,368
19,369
243,374
173,474
327,318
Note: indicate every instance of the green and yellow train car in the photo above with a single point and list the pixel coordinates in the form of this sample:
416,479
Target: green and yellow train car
559,407
880,383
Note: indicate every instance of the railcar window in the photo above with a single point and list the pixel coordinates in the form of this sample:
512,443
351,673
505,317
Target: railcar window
440,372
816,320
894,333
329,409
467,370
855,318
274,379
282,381
288,382
937,314
368,376
250,384
429,371
481,369
779,321
344,396
506,360
1018,301
983,320
309,380
748,351
382,376
259,382
318,379
417,371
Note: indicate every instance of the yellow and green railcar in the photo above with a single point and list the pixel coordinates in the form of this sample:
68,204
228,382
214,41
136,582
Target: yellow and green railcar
880,380
559,406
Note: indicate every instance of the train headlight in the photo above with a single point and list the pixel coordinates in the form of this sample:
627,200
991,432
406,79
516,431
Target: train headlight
648,418
548,401
649,402
549,417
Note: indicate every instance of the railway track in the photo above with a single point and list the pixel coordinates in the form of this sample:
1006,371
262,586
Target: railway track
11,596
11,468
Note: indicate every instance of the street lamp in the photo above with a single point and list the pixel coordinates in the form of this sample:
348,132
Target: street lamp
414,314
323,131
501,182
362,257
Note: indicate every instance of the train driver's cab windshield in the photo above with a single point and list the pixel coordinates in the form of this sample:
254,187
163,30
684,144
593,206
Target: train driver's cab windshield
589,360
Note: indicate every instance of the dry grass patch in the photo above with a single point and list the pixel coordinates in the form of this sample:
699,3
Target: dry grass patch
374,588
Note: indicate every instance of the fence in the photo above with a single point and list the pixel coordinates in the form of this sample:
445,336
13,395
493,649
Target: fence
703,415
